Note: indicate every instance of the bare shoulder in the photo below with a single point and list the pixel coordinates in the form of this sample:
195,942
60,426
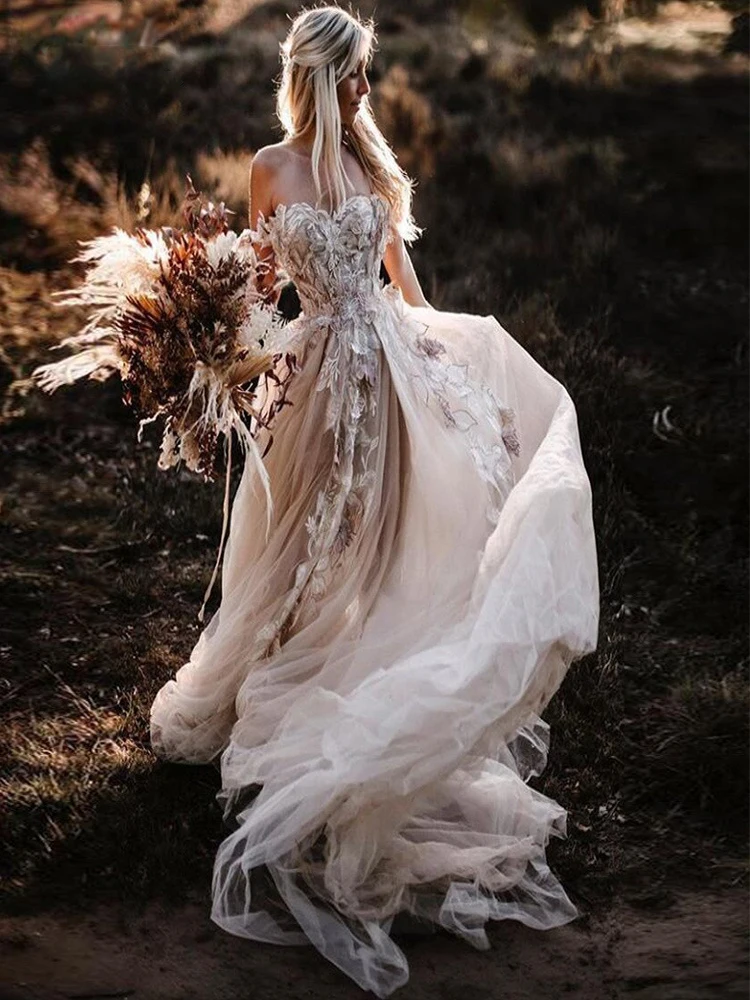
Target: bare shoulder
269,172
267,156
269,160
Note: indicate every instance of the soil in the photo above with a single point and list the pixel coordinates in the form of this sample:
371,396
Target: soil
691,946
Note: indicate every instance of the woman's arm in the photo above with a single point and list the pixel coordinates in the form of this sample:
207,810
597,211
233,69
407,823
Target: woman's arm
401,271
260,200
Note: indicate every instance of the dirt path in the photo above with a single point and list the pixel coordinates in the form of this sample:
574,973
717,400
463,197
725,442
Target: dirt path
696,949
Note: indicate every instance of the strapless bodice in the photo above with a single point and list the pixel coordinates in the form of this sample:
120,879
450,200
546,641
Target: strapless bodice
333,257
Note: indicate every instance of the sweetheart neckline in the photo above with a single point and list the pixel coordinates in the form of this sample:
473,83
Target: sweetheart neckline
282,207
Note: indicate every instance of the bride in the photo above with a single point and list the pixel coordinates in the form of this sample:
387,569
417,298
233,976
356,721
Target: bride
371,683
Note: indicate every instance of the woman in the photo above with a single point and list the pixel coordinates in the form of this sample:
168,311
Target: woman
371,682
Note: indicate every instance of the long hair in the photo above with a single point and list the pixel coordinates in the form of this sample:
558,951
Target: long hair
323,45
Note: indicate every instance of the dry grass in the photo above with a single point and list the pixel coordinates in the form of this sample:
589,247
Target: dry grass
595,203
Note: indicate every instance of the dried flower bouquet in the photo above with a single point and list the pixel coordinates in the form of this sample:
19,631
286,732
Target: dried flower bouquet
179,316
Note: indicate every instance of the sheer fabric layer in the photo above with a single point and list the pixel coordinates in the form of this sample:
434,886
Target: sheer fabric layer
377,668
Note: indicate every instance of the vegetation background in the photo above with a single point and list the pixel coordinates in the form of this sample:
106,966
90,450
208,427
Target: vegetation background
581,175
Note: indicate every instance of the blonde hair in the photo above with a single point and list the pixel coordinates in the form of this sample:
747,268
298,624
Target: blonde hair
323,45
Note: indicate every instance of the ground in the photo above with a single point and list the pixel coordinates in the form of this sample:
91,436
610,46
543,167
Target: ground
692,948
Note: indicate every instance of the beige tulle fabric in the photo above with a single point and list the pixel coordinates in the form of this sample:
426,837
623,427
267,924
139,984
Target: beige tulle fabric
377,666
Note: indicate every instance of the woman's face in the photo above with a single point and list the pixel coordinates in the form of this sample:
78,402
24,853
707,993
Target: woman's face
351,89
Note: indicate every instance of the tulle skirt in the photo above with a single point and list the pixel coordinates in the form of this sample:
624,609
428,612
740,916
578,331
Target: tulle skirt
372,681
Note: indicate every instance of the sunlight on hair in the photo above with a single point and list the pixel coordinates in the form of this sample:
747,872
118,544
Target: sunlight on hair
323,45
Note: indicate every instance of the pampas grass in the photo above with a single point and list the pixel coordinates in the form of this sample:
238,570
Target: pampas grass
179,316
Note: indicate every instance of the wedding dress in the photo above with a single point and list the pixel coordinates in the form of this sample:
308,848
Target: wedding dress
371,682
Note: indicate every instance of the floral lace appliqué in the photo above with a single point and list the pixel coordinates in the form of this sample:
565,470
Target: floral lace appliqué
334,260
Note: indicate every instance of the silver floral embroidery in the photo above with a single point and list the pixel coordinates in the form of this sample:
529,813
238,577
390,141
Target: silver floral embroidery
334,261
467,404
430,347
